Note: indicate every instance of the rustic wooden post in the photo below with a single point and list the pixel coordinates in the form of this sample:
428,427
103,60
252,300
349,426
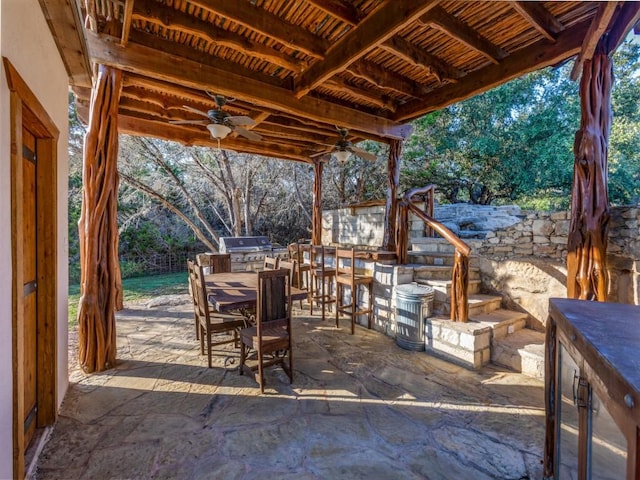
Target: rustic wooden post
98,230
402,232
316,219
587,276
460,283
390,214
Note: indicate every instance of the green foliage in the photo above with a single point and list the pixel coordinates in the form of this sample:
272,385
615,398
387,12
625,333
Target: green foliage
514,144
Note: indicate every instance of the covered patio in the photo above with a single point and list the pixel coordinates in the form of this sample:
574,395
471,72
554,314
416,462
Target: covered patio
360,407
305,81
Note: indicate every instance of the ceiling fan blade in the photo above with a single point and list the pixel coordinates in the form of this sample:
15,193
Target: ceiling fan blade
195,110
188,122
241,120
363,154
248,134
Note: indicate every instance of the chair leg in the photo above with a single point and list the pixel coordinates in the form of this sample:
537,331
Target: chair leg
323,298
197,324
209,347
242,357
370,321
354,302
260,372
201,339
338,303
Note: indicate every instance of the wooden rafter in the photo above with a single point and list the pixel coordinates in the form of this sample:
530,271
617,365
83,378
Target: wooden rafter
339,9
341,86
189,25
172,69
420,58
381,25
386,79
440,19
597,28
63,19
126,21
186,135
261,21
628,15
540,18
527,60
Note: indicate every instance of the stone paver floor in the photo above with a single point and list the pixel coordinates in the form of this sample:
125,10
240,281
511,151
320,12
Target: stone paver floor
359,408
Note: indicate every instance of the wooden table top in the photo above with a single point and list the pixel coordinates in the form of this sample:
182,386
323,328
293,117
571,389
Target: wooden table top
237,290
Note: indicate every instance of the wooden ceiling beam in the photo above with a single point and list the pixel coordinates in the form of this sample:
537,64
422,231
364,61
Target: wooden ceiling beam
440,19
180,71
148,11
259,20
420,58
190,136
126,22
598,27
626,18
536,56
65,23
341,86
339,9
294,124
376,28
540,18
386,79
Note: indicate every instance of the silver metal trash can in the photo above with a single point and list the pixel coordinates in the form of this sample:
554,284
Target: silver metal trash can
414,303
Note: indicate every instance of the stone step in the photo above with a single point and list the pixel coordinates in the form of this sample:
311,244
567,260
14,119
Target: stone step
442,288
502,322
441,259
478,304
439,272
523,351
439,245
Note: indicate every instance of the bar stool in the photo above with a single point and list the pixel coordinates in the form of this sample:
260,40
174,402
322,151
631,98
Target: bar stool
321,280
301,279
346,276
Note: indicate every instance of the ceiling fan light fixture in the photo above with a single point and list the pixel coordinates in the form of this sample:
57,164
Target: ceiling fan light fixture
342,156
218,131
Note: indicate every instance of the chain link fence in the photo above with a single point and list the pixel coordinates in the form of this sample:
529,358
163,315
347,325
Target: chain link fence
155,263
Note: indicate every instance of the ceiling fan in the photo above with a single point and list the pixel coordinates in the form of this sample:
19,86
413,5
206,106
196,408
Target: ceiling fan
221,123
343,148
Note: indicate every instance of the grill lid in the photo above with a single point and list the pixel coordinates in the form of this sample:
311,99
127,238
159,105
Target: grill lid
244,244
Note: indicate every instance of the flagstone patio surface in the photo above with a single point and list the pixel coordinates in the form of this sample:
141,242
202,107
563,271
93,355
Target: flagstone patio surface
360,407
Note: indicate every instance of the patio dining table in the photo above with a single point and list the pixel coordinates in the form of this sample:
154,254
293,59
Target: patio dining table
238,291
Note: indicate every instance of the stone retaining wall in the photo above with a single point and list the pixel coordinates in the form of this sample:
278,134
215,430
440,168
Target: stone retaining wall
523,260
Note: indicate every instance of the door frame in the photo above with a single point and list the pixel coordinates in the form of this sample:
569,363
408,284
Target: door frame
26,110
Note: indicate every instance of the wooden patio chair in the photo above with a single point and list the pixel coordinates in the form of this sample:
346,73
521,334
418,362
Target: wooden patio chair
302,278
321,280
271,334
215,262
347,276
210,322
271,263
292,266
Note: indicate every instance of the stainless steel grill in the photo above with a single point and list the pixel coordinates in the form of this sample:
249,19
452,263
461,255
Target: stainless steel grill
245,244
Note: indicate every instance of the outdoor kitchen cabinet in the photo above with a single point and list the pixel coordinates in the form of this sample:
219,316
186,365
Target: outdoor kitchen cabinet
592,391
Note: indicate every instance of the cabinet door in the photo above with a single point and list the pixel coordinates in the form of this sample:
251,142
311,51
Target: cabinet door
607,444
568,417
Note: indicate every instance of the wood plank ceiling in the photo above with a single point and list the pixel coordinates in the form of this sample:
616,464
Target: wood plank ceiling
300,68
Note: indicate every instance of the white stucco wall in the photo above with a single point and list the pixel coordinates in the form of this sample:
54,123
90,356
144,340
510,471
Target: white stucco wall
26,41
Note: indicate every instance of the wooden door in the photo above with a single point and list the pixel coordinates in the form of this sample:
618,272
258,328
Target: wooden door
29,232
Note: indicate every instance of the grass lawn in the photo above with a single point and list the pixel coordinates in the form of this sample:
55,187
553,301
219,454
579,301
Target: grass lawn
138,288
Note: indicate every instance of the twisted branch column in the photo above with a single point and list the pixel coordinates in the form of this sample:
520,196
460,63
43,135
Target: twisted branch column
101,291
587,276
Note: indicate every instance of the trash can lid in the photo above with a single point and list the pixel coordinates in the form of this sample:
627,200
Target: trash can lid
414,290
